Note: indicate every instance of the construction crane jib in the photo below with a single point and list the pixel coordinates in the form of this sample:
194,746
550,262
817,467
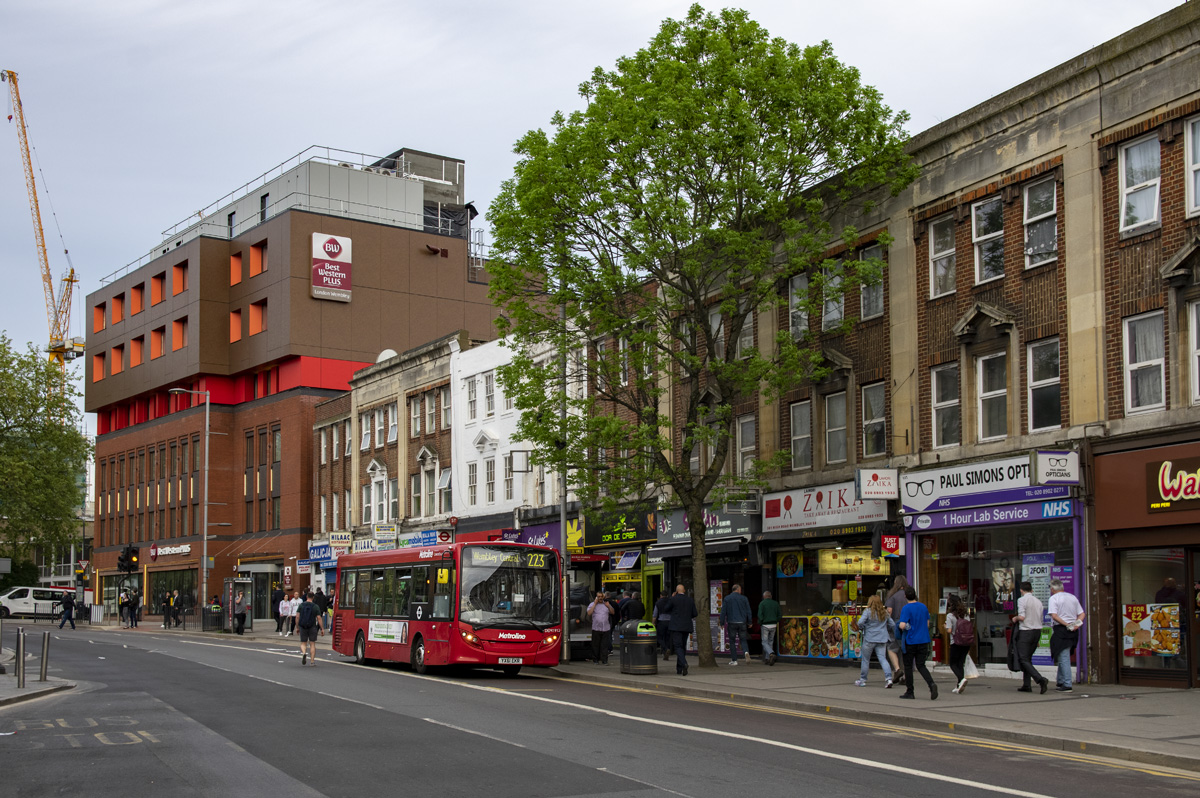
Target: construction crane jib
58,312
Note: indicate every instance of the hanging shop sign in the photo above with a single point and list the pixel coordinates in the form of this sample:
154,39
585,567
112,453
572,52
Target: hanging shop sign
877,483
674,528
341,540
974,485
1054,467
820,506
1173,485
331,267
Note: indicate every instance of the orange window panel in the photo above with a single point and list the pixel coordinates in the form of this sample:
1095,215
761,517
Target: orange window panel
158,284
258,316
258,258
235,269
156,342
137,299
118,308
98,316
179,278
118,359
135,351
235,326
179,331
97,367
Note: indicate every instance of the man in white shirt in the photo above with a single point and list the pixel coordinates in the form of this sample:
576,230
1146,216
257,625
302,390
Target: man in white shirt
1066,617
1029,613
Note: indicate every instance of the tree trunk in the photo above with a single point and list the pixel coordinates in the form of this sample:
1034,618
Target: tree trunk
695,515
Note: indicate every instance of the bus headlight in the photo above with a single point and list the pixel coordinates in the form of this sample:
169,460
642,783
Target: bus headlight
550,640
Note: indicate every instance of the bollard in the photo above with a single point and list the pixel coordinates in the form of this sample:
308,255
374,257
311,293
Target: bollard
45,655
20,658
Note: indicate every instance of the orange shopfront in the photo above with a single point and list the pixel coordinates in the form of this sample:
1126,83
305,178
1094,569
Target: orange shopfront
1148,528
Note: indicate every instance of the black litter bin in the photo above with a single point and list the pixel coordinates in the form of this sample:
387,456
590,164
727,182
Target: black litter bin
639,648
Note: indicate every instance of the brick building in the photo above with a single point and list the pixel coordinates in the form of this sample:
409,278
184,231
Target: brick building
269,302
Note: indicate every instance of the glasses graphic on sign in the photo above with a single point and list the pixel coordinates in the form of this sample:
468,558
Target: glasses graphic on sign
1057,462
922,488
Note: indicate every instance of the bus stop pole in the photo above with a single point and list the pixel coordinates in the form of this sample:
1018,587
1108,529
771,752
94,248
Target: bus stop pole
565,654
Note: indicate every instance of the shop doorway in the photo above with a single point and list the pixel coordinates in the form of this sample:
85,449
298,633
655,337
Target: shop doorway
1159,620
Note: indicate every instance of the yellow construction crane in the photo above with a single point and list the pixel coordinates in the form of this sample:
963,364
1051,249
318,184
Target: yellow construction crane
61,347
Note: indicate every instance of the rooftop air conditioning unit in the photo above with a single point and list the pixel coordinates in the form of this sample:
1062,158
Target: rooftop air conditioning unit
348,166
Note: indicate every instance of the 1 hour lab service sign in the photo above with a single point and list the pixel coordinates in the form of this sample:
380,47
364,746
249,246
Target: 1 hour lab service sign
331,267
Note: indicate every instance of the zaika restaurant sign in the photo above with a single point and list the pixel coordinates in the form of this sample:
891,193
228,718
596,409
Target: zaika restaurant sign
331,267
1173,485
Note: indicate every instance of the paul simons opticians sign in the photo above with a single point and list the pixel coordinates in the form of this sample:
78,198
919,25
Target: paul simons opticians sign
974,485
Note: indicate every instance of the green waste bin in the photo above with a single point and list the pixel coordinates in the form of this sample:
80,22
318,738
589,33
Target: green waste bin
639,648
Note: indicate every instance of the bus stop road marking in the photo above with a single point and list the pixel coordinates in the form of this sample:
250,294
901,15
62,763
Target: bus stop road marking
472,731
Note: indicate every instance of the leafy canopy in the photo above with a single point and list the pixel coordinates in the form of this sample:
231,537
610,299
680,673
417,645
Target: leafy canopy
706,171
42,454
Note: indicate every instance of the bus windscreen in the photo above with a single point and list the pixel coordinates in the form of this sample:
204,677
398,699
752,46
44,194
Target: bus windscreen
509,588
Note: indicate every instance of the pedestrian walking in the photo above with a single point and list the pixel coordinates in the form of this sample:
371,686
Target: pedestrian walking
634,609
135,608
1029,632
736,616
277,595
961,630
601,612
876,628
176,608
165,606
894,602
769,615
68,610
311,624
295,602
285,615
321,600
1066,618
683,611
915,641
239,611
662,617
123,605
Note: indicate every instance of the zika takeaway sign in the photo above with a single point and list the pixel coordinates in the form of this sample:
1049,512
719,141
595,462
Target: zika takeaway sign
331,267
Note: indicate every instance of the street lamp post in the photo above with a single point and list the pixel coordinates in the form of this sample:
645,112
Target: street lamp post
204,514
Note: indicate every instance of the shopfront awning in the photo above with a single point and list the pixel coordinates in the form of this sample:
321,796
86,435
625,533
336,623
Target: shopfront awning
716,546
628,561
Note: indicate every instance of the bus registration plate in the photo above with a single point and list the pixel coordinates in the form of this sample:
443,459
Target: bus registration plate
511,661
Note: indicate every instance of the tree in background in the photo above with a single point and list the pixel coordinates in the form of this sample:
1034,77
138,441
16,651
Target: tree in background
42,455
639,240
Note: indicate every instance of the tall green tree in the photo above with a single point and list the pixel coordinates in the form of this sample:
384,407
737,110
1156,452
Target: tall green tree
639,238
42,454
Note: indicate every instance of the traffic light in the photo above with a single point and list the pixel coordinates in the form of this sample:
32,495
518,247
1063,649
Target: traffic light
133,559
123,560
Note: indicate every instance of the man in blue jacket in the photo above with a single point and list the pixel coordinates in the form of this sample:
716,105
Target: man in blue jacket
915,640
736,615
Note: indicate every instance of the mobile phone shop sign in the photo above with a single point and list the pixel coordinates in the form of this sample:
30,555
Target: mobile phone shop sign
974,485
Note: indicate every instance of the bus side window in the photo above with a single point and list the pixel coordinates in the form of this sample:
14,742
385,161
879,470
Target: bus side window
349,579
388,608
443,592
420,584
403,590
362,597
377,593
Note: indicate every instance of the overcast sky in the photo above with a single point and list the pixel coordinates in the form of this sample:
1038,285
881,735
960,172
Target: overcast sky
141,112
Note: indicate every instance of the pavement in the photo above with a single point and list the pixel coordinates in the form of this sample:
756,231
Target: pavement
1152,726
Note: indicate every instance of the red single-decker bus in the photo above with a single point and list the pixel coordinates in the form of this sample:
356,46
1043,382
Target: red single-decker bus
493,604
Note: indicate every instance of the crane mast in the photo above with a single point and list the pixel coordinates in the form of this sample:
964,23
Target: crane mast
58,312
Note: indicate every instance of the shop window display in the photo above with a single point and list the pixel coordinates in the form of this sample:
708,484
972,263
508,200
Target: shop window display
984,566
1154,609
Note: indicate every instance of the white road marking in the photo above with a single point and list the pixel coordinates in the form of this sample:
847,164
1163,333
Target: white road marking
351,700
471,731
646,783
265,679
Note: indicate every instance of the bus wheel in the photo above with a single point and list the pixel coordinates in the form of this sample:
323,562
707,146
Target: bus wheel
360,650
511,670
418,656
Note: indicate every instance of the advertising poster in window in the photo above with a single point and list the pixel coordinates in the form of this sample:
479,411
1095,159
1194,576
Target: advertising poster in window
1004,590
828,637
793,637
1150,630
789,564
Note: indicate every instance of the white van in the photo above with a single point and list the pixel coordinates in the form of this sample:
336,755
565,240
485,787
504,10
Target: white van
30,600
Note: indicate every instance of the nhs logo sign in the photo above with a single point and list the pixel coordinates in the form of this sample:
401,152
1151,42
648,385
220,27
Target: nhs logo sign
1059,509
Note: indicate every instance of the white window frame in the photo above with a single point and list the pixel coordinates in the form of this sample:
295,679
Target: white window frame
335,515
979,241
623,361
831,432
946,255
1194,349
366,503
472,483
873,421
364,424
1029,221
489,480
1191,165
380,420
984,396
601,350
445,491
349,438
489,394
716,326
648,353
415,495
1035,385
508,477
414,416
833,311
393,499
324,530
380,488
872,290
1155,183
472,398
324,458
430,489
799,434
939,405
1128,368
745,341
797,309
447,416
393,413
349,510
747,443
430,412
336,444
